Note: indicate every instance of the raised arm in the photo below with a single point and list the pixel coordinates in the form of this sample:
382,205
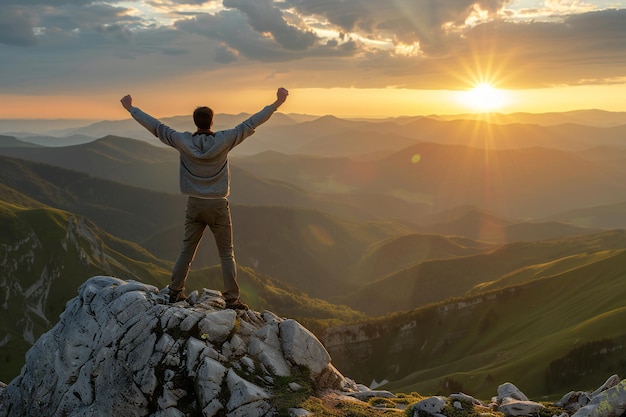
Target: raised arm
153,125
236,135
281,96
127,102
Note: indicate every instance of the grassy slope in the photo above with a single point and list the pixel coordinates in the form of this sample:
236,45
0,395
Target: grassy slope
128,212
308,249
114,158
509,335
435,280
390,255
322,248
45,255
483,352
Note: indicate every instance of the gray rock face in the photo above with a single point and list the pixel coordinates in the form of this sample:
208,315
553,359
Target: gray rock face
513,402
432,405
120,350
608,401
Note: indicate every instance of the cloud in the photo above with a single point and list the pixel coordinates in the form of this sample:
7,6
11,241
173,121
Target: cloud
196,2
578,49
422,44
266,18
49,3
230,29
405,21
225,55
262,37
16,27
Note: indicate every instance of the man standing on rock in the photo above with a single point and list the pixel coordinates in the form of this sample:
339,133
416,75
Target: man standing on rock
205,178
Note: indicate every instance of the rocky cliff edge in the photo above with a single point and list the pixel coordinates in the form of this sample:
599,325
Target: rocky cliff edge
120,350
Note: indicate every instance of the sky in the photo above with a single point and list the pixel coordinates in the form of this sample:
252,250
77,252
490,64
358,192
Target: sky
76,58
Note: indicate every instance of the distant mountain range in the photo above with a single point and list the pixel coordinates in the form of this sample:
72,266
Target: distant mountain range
468,250
410,184
593,117
329,135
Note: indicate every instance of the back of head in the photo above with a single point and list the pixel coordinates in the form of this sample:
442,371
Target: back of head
203,117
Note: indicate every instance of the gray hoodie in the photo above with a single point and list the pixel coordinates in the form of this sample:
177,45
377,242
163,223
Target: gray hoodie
204,170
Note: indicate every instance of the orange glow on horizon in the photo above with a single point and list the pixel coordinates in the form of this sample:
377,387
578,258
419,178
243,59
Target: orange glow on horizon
340,102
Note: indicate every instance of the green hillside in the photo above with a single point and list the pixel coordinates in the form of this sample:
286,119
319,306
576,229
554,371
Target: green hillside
127,212
530,335
465,310
434,280
45,255
397,253
114,158
308,249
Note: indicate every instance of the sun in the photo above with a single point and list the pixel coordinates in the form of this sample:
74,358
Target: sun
484,98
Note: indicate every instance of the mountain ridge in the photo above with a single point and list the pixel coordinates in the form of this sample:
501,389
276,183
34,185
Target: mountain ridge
477,340
557,269
434,280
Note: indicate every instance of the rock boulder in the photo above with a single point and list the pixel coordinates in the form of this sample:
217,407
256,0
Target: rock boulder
120,350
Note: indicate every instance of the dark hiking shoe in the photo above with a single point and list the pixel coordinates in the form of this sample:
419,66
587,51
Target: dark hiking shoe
176,296
236,305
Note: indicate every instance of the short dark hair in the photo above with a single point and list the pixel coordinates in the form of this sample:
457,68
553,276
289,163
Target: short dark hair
203,117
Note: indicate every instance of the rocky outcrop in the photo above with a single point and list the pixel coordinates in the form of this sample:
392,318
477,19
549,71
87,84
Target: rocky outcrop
513,402
120,350
609,400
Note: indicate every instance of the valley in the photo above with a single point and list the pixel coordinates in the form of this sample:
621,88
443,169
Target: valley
432,250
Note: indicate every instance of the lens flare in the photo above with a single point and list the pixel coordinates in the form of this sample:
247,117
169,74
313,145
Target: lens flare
484,97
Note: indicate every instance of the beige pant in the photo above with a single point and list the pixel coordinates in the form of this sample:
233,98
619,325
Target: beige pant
214,213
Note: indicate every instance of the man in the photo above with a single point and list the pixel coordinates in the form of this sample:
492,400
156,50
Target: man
205,178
